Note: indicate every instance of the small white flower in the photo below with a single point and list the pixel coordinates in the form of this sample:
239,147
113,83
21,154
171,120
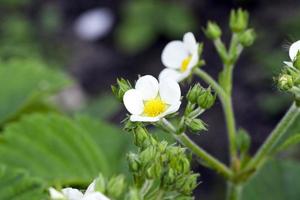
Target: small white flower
294,48
180,57
150,101
75,194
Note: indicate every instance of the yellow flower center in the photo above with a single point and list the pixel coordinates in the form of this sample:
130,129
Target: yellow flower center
154,107
185,63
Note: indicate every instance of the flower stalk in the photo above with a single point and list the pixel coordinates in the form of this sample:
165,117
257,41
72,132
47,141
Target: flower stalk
211,161
274,137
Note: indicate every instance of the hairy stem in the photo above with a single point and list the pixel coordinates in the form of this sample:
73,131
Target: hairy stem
227,107
211,161
274,137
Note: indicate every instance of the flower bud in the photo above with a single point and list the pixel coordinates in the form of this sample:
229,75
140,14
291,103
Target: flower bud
140,136
296,62
133,195
247,38
100,184
116,186
206,99
154,170
148,155
238,21
120,88
133,162
189,184
195,125
212,30
194,93
285,82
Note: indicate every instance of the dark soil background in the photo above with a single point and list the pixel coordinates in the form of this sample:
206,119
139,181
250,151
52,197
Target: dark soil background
96,64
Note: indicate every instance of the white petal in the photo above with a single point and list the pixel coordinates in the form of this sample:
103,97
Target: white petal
138,118
170,73
91,188
169,91
55,194
148,87
194,60
72,194
173,54
294,48
133,101
172,109
190,42
95,196
290,64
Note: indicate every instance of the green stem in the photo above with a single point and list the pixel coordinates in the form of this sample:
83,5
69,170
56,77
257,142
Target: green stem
274,137
234,191
227,107
209,80
211,161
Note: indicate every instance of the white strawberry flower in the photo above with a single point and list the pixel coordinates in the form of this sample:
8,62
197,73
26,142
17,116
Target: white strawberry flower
294,48
179,58
75,194
152,100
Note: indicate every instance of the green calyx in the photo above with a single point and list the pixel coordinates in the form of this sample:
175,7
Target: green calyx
120,88
212,30
239,20
247,38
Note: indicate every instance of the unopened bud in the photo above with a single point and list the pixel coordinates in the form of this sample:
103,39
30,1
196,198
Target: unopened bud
100,184
120,88
154,170
133,162
195,125
285,82
116,186
193,93
247,38
206,99
238,21
133,195
212,30
140,136
148,155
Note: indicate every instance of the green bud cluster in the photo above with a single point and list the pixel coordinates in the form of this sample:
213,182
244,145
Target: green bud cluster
289,80
166,165
212,30
114,187
120,88
201,96
285,82
239,20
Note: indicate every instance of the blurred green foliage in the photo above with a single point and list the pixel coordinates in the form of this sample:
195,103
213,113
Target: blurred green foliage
27,83
277,180
63,151
142,21
21,186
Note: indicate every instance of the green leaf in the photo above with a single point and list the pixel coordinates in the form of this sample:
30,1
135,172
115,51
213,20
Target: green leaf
23,83
62,151
277,180
18,185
